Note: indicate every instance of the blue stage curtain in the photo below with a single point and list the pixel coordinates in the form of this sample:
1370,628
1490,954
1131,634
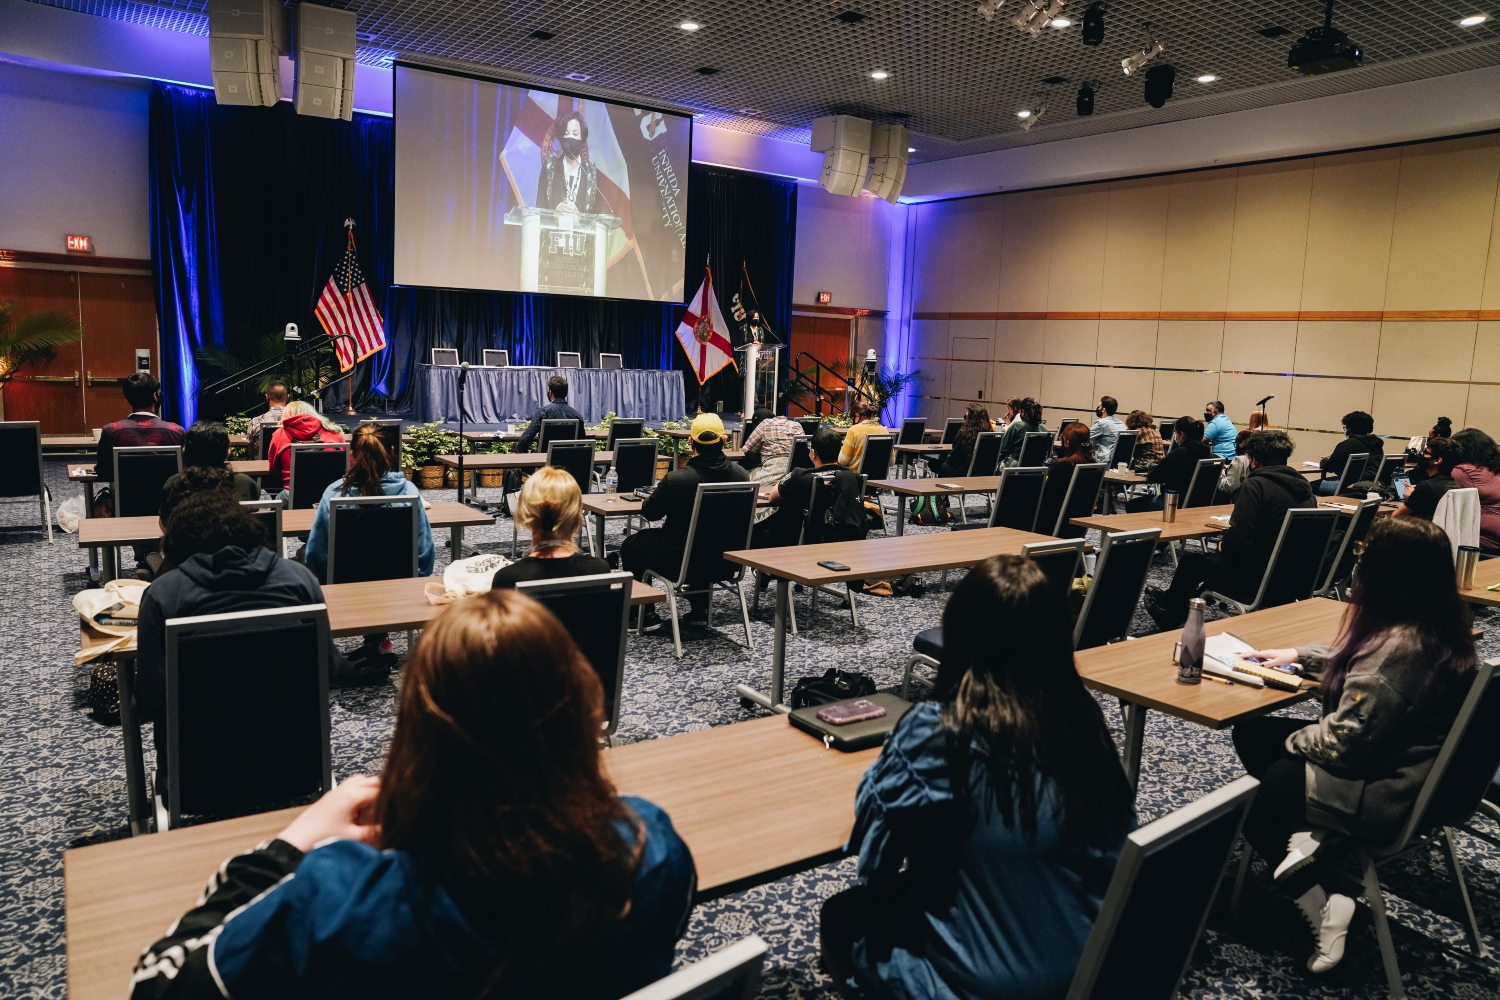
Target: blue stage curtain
247,210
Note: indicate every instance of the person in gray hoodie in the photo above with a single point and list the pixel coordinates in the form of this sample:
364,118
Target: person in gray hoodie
1270,490
1391,688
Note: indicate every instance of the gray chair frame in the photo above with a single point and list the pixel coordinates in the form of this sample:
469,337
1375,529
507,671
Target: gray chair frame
16,428
1092,475
881,441
559,429
496,357
678,586
1014,474
1388,466
1359,527
599,581
619,362
731,973
812,592
277,510
263,440
1356,462
635,427
142,451
576,356
302,448
1114,453
1110,542
337,503
1241,608
950,429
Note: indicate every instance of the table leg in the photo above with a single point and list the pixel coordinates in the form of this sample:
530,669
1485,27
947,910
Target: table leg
135,761
88,511
900,513
778,649
599,535
457,539
1135,735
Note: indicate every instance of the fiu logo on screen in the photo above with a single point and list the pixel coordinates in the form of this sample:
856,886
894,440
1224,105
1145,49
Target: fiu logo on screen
652,123
567,244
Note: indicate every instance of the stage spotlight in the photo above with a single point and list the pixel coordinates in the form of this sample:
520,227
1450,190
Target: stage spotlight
988,8
1085,100
1030,116
1093,24
1154,47
1159,80
1036,15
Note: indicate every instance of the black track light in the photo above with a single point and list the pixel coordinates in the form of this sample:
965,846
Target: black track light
1093,25
1159,80
1085,100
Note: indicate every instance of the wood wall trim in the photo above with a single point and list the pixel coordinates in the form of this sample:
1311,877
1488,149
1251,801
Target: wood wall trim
851,311
1265,316
37,260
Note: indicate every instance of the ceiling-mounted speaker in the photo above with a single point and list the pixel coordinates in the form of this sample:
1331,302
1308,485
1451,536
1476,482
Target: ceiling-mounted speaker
246,40
888,146
844,142
1093,24
325,62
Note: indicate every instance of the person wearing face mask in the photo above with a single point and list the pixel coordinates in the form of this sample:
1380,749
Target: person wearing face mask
1218,431
569,181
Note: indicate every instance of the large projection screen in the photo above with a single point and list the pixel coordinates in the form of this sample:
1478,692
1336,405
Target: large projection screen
515,189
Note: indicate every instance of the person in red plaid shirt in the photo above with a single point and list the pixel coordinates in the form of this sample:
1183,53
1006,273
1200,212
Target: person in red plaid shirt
772,440
143,427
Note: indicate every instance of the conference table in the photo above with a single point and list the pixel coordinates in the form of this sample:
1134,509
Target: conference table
742,830
527,460
1193,522
504,395
932,486
906,452
1486,577
870,558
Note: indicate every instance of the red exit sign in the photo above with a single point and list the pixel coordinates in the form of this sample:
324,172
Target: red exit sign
824,298
80,244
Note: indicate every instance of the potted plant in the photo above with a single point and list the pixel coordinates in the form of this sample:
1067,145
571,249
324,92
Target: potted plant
667,446
31,339
238,424
420,452
493,478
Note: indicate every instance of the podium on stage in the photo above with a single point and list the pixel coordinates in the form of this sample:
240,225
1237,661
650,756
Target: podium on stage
563,251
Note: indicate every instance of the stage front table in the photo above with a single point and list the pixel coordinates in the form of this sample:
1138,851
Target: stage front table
507,395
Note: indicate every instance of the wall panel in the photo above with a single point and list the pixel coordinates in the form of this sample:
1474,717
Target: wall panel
1135,245
1269,248
1194,344
1177,394
1445,205
1200,229
1025,238
1349,230
1405,409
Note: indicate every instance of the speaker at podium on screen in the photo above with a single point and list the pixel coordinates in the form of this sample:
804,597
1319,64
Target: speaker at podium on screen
496,359
569,359
444,357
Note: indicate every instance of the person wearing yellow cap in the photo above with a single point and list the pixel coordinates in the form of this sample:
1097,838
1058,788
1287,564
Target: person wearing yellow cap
661,549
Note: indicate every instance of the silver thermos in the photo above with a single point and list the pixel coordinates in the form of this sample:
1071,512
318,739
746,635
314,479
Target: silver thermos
1169,506
1468,562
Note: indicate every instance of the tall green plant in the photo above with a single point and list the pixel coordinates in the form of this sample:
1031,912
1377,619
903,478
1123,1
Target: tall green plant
33,338
881,385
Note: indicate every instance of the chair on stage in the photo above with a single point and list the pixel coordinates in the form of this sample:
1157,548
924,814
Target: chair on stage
1296,560
315,465
569,359
722,517
1115,591
372,538
731,973
1035,448
612,362
444,357
20,476
496,358
596,612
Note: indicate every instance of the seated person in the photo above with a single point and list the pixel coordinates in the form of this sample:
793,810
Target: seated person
1233,476
1148,443
1218,430
551,509
141,429
557,408
1478,468
1391,691
1360,438
370,474
1174,474
1028,421
222,565
661,549
493,857
981,873
957,461
770,445
300,424
868,413
790,497
207,447
1438,460
190,481
276,400
1076,449
1106,430
1270,490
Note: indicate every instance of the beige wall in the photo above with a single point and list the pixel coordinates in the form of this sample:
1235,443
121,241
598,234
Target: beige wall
1366,280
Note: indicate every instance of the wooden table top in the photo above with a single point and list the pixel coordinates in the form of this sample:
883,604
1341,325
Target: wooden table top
69,441
1191,523
885,557
516,435
924,449
625,504
1141,670
740,827
929,486
1486,575
535,460
86,473
1116,476
294,523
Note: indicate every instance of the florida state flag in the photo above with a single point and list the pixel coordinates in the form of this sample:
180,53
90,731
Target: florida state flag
703,333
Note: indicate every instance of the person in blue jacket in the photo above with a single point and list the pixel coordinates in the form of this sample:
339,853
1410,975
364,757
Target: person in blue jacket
492,858
989,827
371,473
1218,431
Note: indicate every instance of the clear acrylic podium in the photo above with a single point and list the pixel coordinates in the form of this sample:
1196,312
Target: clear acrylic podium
761,365
563,251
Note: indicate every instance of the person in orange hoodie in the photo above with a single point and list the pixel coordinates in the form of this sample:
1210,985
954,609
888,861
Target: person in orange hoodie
300,423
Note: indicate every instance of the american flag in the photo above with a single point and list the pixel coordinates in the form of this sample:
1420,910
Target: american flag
345,307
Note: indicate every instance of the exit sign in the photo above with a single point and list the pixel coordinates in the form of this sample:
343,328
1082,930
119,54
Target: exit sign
80,244
824,298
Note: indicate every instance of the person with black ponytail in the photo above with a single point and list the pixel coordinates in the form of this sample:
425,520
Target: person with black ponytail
989,827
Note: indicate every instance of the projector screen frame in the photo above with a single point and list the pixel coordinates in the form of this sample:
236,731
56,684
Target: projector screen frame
520,81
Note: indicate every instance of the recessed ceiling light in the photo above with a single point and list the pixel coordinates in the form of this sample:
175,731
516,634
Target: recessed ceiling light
911,149
1472,20
1060,22
690,26
1207,78
1024,113
576,77
878,74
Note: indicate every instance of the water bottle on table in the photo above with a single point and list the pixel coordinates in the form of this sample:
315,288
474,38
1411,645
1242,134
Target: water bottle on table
1190,660
611,480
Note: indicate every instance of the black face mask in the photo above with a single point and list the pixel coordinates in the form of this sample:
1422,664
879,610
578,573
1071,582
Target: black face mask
1208,418
572,148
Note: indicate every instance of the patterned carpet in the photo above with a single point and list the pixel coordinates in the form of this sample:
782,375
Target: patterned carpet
61,785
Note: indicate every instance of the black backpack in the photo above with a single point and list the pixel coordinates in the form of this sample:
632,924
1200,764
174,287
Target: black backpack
846,521
834,685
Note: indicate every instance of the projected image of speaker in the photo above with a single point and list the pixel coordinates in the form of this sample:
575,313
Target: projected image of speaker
844,142
246,40
888,146
325,62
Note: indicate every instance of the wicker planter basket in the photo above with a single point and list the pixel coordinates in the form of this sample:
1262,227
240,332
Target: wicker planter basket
663,466
450,477
492,478
429,477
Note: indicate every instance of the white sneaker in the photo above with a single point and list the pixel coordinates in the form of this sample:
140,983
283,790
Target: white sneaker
1332,930
1301,849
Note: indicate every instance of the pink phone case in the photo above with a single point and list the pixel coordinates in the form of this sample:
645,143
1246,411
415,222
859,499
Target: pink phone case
855,710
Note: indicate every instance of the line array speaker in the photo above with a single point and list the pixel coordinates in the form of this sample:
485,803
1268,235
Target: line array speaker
246,40
325,62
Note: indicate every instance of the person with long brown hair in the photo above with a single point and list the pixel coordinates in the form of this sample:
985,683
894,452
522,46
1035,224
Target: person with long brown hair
989,827
976,422
1391,687
492,858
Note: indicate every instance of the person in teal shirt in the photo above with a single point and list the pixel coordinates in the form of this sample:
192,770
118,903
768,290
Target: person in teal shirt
1218,431
1028,420
989,827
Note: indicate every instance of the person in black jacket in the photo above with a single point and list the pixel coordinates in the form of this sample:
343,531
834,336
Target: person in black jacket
1174,473
557,408
1360,438
1236,569
791,496
661,549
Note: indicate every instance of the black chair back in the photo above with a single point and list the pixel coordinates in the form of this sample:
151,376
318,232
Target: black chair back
625,430
1344,559
1204,485
596,612
140,473
1035,449
913,430
635,463
801,453
1017,498
1297,558
247,722
1054,493
559,429
1388,466
810,425
722,516
268,515
1124,450
578,458
1115,592
1354,470
1158,900
372,538
1059,561
986,457
390,436
1064,426
263,442
950,430
1166,428
875,463
1083,493
825,494
1469,758
314,466
21,458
